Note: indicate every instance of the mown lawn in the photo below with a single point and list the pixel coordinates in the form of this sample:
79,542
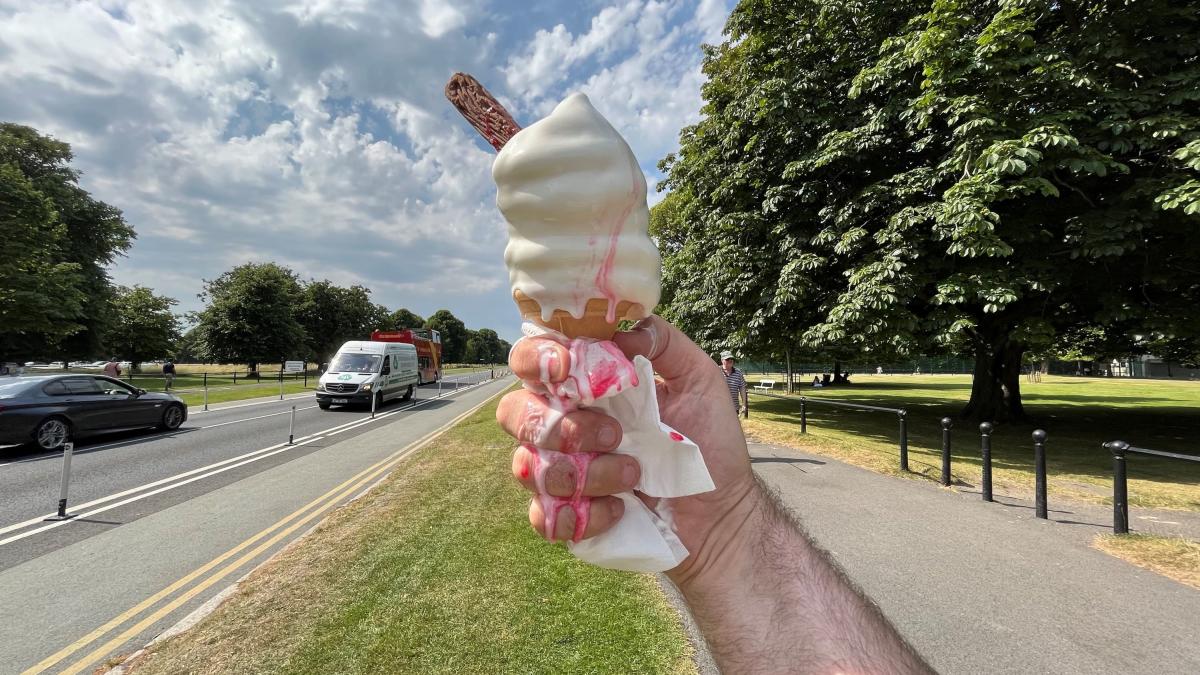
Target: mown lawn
435,571
1078,414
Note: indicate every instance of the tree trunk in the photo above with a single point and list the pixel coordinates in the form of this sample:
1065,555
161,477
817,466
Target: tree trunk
837,372
996,386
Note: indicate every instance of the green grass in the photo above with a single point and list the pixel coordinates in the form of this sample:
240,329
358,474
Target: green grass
435,571
1078,414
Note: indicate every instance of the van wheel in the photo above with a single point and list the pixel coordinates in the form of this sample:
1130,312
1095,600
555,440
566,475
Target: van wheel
408,394
378,400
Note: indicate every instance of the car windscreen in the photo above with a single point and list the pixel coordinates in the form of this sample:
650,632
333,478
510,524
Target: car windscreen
11,388
355,363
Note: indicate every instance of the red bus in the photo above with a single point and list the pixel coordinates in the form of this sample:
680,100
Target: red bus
429,349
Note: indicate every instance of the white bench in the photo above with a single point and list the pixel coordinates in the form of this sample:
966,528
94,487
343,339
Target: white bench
765,385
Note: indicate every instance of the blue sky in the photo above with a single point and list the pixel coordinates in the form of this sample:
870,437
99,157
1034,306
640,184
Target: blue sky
313,133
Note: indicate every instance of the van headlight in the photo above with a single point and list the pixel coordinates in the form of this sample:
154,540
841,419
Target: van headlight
320,386
365,387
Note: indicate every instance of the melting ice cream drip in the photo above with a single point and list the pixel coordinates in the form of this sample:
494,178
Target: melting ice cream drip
598,370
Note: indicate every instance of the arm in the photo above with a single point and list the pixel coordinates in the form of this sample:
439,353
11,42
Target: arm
775,602
766,598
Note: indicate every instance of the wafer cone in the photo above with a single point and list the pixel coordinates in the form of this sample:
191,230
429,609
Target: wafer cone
593,324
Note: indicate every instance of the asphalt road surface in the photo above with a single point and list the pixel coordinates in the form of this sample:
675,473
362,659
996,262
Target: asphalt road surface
165,521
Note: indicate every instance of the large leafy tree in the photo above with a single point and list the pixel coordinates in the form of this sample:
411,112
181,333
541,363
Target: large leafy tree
251,315
331,315
142,325
453,332
978,177
77,238
485,346
403,318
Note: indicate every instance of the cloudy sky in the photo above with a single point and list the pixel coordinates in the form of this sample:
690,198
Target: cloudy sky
314,133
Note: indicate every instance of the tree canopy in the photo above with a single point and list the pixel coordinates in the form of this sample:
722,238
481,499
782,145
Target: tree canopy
251,315
978,177
330,315
142,326
402,319
453,332
56,243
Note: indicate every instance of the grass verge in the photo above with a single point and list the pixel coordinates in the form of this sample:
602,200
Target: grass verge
1173,557
1078,413
434,571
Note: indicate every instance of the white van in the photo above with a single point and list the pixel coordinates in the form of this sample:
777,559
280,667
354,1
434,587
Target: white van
360,370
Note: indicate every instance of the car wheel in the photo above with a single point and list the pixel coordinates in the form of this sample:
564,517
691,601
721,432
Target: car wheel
172,418
323,405
52,433
378,399
408,394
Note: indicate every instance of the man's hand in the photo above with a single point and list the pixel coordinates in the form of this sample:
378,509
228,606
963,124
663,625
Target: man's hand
692,398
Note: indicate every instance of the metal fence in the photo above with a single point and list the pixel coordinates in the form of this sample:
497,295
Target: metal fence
1119,450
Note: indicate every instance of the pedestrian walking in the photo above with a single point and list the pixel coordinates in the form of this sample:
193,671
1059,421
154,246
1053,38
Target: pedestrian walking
735,379
169,373
113,368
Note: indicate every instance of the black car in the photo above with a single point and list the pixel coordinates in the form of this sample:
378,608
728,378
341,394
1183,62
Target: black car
46,410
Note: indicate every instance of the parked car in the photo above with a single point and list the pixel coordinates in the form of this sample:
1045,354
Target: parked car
46,410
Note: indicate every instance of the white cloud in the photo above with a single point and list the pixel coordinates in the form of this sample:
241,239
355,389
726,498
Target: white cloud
314,132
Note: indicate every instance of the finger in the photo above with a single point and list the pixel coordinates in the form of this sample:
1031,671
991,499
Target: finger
673,354
540,359
559,519
581,474
528,417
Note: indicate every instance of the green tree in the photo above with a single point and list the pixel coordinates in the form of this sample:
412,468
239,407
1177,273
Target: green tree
331,315
453,332
81,237
251,315
191,348
402,319
484,346
142,327
972,177
38,293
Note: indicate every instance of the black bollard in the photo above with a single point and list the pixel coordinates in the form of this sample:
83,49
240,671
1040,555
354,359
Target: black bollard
1039,461
903,441
1120,487
946,424
803,416
985,441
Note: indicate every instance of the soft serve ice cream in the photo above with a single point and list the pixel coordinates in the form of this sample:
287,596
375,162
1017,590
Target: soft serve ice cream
575,201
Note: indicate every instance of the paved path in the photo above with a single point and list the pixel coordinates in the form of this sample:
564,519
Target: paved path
987,588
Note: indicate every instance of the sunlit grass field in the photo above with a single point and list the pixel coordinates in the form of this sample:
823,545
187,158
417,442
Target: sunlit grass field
1079,414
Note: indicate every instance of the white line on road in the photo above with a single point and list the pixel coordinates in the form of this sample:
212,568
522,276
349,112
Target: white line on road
249,419
191,477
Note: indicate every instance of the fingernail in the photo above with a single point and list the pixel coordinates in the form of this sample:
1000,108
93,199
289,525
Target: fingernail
607,435
629,475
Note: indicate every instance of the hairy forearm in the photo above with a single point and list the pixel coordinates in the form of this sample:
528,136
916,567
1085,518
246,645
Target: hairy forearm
771,601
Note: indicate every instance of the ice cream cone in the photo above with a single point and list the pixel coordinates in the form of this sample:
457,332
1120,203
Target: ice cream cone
593,324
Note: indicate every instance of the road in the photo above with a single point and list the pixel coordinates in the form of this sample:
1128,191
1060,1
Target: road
165,521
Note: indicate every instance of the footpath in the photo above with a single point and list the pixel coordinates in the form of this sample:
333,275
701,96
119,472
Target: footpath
988,588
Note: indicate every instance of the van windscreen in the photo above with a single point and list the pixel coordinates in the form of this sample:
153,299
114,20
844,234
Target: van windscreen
355,363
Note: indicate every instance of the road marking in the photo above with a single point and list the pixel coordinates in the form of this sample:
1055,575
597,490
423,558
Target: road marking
249,457
250,419
319,506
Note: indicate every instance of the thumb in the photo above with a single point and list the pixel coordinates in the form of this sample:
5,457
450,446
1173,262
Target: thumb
672,353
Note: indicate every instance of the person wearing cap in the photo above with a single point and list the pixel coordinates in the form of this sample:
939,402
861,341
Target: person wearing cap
736,381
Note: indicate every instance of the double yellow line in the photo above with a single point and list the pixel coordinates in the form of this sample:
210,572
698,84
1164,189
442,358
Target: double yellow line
301,516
